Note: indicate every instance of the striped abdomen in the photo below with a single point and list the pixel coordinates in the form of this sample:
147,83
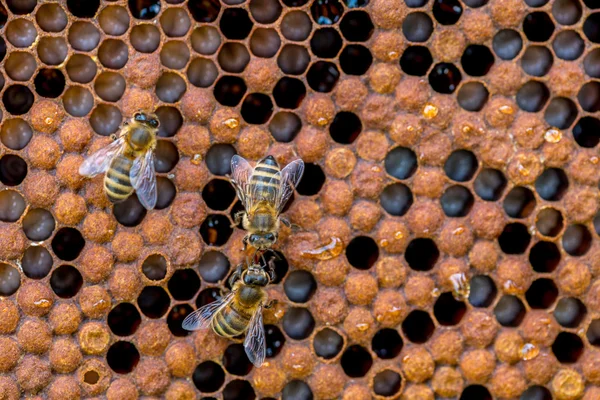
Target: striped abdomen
116,181
232,320
265,181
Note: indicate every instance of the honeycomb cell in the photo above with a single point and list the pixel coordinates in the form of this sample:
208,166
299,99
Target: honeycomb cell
387,343
593,333
13,170
78,101
105,119
567,12
567,347
274,340
421,254
218,194
17,99
145,38
416,60
218,159
213,266
174,54
113,53
356,361
585,131
295,25
444,78
170,121
514,239
542,293
479,392
538,27
328,343
299,286
477,60
418,326
83,8
81,68
110,86
265,11
265,42
257,108
170,87
552,184
10,280
208,377
49,82
472,96
312,180
144,9
591,63
355,59
12,204
447,310
153,301
122,357
345,127
66,281
326,12
293,59
417,27
561,113
83,36
490,184
51,18
216,230
21,7
507,44
544,256
130,212
322,76
20,32
362,252
204,11
236,361
15,133
401,163
396,199
533,96
509,311
205,40
457,201
570,312
235,23
184,284
67,243
285,125
20,66
482,292
202,72
447,12
124,319
549,222
461,165
175,22
296,390
577,240
387,383
114,20
229,90
154,267
568,45
519,202
36,262
298,323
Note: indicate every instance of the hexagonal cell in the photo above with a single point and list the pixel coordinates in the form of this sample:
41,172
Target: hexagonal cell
544,256
13,170
566,12
533,96
444,78
568,45
204,11
477,60
472,96
356,26
10,280
519,202
145,9
265,42
490,184
293,59
322,76
570,312
170,87
457,201
84,36
538,26
356,361
514,239
355,59
85,9
52,50
206,40
590,27
129,212
37,262
21,7
110,86
345,127
327,343
284,125
154,267
12,204
561,113
296,389
299,286
476,392
67,244
509,311
122,357
20,32
175,22
167,156
312,180
176,317
418,326
78,101
257,108
15,133
396,199
447,12
235,23
274,340
81,68
114,20
174,54
265,11
66,281
577,240
20,66
552,184
17,99
586,133
49,82
202,72
461,165
229,90
184,284
106,119
483,291
542,293
567,347
124,319
507,44
298,323
145,38
326,12
401,162
218,194
208,377
549,222
537,60
387,343
362,252
421,254
51,17
153,301
593,333
326,43
448,311
296,25
416,60
218,159
387,383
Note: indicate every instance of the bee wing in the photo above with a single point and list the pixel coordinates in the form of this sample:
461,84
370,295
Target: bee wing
241,170
143,179
99,162
200,319
288,180
255,342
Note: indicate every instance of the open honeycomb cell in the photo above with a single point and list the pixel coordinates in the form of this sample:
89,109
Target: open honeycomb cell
444,238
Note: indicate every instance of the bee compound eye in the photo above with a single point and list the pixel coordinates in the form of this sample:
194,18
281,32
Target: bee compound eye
139,117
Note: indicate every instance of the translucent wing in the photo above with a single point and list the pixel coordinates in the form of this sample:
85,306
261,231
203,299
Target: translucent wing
255,342
99,162
241,171
200,319
288,180
143,179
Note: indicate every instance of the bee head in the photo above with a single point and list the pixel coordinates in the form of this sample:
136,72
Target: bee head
255,276
150,120
262,241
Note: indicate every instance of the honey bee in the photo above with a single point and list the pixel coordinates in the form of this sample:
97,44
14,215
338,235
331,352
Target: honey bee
239,311
263,190
128,161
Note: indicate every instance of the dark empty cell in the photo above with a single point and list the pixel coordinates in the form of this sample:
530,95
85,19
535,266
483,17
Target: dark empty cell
536,3
166,192
17,99
81,68
362,252
544,257
281,266
490,184
326,43
538,26
447,310
567,347
78,101
537,60
10,280
591,27
208,296
570,312
328,343
514,239
204,10
296,25
478,392
2,48
218,159
417,27
265,11
213,266
83,36
145,38
549,222
387,383
293,59
113,53
67,244
109,86
284,125
591,4
257,108
519,202
49,82
461,165
322,76
66,281
533,96
396,199
345,128
274,340
568,45
153,301
236,361
299,286
144,9
591,63
202,72
175,319
483,291
507,44
13,170
184,284
208,377
477,60
218,194
312,180
356,361
536,393
124,319
593,333
401,163
356,26
12,205
566,12
560,113
418,326
326,12
19,7
235,23
552,184
170,87
447,12
105,119
265,42
577,240
83,8
154,267
216,230
129,212
589,99
586,132
416,60
38,224
166,156
36,262
542,293
387,343
457,201
229,90
122,357
444,78
509,311
472,96
298,323
296,390
174,54
421,254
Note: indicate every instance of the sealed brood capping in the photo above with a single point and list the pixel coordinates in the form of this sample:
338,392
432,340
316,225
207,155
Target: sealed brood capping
445,140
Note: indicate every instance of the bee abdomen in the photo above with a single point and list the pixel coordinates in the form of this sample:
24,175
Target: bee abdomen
230,323
117,182
264,179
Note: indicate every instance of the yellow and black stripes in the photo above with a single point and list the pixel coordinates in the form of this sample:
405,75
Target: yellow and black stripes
231,320
265,181
117,182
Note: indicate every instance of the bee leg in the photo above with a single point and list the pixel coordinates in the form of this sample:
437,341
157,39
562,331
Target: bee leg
237,218
236,275
245,242
271,303
285,222
271,270
113,137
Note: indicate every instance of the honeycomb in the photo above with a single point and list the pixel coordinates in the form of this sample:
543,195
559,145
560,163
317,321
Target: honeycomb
448,226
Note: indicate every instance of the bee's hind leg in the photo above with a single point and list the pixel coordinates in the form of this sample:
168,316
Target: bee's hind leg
271,269
237,218
293,227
